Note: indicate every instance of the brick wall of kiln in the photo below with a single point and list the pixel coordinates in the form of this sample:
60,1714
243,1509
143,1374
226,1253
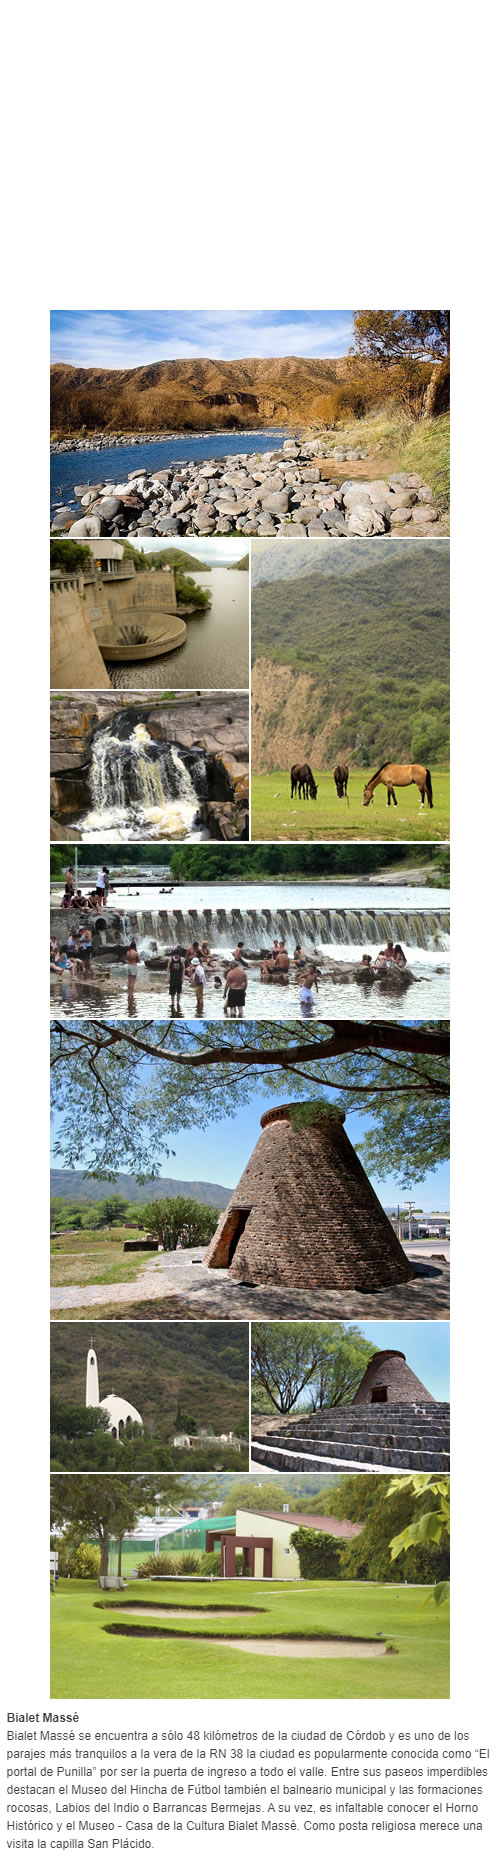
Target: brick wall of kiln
315,1220
391,1371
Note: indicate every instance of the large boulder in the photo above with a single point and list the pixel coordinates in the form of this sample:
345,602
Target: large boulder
108,507
278,501
400,516
365,520
62,518
87,526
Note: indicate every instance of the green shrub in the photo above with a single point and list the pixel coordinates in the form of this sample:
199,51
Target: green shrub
319,1555
156,1564
87,1562
210,1562
188,1563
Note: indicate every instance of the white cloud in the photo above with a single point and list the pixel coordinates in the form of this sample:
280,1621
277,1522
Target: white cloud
129,339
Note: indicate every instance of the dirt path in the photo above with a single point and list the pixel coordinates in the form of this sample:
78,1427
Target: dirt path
214,1293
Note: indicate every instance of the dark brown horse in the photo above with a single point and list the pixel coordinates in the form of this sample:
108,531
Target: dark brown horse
341,777
303,782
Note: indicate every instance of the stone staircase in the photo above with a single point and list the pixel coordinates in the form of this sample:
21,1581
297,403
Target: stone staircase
399,1438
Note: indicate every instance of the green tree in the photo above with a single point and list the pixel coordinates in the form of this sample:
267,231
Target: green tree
247,1495
327,1359
429,741
69,1421
384,1513
111,1211
390,335
431,1525
121,1090
108,1507
70,557
180,1221
189,592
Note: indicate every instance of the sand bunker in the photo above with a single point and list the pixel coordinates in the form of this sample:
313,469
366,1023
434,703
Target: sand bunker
267,1648
177,1612
307,1648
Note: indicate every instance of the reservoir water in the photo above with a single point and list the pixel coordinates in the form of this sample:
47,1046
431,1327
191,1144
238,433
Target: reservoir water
215,655
112,463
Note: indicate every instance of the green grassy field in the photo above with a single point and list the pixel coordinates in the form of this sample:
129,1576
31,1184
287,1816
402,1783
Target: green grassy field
88,1661
276,816
95,1257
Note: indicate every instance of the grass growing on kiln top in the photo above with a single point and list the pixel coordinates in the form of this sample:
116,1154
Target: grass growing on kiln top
327,817
88,1661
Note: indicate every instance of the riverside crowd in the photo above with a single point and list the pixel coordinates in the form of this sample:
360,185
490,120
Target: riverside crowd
195,967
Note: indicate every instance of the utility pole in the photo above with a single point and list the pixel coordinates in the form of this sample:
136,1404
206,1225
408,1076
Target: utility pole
411,1206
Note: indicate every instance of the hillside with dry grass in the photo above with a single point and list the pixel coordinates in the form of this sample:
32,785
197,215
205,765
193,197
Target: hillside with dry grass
198,395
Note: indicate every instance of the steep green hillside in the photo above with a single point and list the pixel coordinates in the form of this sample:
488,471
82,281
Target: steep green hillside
369,641
74,1184
204,1366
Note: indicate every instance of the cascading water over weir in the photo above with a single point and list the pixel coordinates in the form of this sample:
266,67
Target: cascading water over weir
335,931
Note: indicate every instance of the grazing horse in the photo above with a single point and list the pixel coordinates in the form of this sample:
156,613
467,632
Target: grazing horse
341,777
303,782
394,774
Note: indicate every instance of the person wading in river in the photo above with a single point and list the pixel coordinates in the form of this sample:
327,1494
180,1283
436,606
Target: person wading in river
132,966
198,978
175,980
235,990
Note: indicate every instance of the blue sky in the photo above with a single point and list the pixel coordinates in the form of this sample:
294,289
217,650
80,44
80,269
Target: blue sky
133,338
220,1153
427,1350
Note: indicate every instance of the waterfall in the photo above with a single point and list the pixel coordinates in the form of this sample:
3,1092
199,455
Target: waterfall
336,932
135,782
107,786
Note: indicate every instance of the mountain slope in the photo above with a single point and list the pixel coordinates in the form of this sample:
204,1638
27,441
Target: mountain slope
73,1184
351,653
195,394
151,1365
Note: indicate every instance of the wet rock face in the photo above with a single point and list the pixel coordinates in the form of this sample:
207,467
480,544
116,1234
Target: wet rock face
279,493
72,728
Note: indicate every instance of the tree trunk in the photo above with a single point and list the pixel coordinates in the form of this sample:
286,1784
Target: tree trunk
104,1555
120,1539
437,397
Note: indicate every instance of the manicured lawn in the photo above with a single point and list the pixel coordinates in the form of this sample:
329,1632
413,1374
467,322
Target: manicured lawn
88,1661
276,816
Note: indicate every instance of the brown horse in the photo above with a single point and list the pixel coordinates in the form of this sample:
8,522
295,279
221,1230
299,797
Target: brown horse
341,777
394,774
302,781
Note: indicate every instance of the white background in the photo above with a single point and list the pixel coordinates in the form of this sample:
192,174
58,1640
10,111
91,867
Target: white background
274,156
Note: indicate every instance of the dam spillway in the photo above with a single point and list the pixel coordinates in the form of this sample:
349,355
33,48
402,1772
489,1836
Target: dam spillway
322,929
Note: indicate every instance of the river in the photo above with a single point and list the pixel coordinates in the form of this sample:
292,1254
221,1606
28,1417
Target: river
113,463
427,997
215,655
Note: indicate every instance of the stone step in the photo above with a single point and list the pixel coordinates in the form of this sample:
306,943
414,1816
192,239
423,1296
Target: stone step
338,1443
374,1414
284,1458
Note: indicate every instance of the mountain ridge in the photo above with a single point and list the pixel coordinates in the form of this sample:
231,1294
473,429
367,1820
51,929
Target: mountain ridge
74,1184
195,394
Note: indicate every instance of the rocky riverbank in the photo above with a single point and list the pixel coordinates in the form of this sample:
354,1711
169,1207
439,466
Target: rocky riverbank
289,492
